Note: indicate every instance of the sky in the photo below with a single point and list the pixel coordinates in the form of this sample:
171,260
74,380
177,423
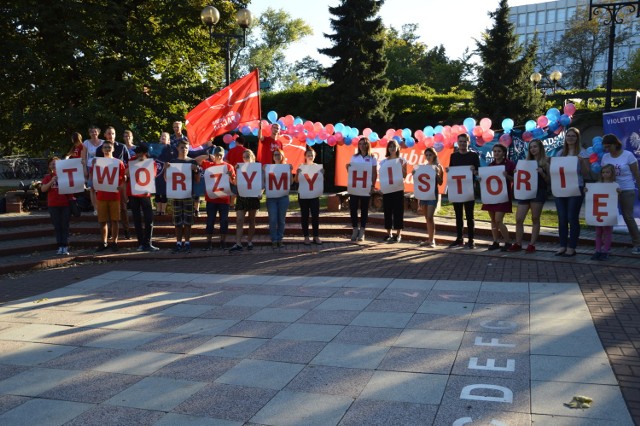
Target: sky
452,23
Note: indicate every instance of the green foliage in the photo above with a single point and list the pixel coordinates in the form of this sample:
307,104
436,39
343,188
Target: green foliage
504,88
357,94
629,77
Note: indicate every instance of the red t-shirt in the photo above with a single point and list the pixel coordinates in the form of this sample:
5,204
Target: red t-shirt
268,145
112,196
76,151
155,171
222,200
54,198
235,155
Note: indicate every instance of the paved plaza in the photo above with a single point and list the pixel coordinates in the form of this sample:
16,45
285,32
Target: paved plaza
297,340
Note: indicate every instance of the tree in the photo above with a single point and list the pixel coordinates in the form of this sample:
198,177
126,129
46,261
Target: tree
267,47
404,54
584,42
308,70
629,77
357,94
504,89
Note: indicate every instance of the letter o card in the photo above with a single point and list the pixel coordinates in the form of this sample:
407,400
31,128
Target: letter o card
142,175
310,181
249,179
601,204
70,176
493,185
424,182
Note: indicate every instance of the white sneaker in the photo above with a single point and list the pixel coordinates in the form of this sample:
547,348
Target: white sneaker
95,212
354,234
361,234
65,251
59,250
432,244
636,250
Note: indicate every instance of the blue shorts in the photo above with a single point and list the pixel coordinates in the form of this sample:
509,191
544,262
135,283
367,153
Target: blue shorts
541,196
424,203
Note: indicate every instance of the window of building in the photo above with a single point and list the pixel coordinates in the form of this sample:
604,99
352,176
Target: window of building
522,39
549,37
551,16
559,35
522,20
540,20
561,15
531,18
571,12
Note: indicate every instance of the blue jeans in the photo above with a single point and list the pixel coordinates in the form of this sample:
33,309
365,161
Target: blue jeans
60,221
568,209
277,209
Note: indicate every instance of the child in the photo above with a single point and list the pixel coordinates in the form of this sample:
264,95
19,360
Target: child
109,203
58,205
604,234
183,208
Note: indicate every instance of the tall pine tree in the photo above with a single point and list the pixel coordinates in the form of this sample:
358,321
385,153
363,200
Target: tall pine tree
504,88
357,94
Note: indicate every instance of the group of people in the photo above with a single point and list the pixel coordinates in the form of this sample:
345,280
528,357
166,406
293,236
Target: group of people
619,166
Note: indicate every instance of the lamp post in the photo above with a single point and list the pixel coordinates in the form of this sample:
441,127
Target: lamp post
612,8
555,77
535,79
210,16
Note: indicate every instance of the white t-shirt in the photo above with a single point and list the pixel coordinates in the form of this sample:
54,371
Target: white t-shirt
91,151
624,178
357,158
402,160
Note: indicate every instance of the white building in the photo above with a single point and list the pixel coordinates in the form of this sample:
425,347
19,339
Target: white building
550,20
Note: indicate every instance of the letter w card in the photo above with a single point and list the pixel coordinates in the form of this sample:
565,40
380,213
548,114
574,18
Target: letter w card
601,204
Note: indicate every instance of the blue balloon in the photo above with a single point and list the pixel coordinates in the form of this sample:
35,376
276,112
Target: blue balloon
438,129
565,120
428,131
246,130
281,123
469,123
596,140
530,125
232,144
596,167
373,137
347,141
397,139
311,142
272,116
297,121
507,125
254,132
438,146
590,150
598,148
354,132
406,133
339,128
537,133
409,142
553,126
553,114
600,155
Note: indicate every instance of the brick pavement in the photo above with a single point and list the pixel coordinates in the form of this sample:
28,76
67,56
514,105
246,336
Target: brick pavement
611,292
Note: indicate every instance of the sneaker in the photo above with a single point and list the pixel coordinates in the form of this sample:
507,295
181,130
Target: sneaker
140,248
515,247
177,248
530,249
432,244
456,243
208,247
387,238
505,247
151,247
596,256
114,247
102,247
236,247
250,246
394,239
361,234
65,251
127,235
196,213
604,256
470,245
494,246
636,250
354,234
59,250
95,212
187,248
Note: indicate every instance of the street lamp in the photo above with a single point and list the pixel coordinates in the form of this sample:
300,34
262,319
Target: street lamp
612,8
535,79
555,77
210,16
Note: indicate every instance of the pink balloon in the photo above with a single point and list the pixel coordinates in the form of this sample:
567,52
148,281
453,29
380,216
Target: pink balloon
311,135
308,126
543,121
382,143
438,137
288,120
331,140
505,139
366,132
330,129
446,131
317,126
390,133
485,123
339,136
488,135
527,136
428,141
569,109
477,131
479,141
227,138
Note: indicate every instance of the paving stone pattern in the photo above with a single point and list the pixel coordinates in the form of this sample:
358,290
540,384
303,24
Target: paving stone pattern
173,348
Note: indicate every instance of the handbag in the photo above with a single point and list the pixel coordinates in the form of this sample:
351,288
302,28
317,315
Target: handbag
75,209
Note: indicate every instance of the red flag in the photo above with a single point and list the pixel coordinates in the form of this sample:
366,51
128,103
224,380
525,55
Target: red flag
224,111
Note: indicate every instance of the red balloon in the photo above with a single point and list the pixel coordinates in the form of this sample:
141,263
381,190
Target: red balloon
569,109
527,137
438,137
593,158
477,131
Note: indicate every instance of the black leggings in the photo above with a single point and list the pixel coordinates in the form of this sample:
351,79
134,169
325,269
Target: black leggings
393,207
468,212
310,205
355,202
141,209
